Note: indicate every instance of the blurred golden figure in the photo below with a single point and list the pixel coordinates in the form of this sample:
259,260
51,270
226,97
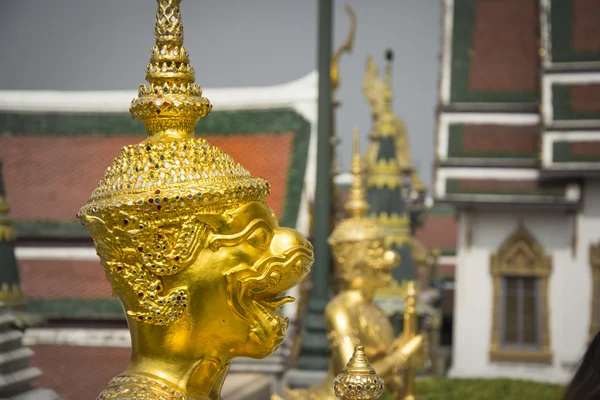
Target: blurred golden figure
187,241
352,318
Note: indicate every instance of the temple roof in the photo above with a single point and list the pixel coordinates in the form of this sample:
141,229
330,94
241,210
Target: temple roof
42,152
519,121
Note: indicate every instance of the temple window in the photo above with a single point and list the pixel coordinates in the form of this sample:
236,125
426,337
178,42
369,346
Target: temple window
520,272
520,328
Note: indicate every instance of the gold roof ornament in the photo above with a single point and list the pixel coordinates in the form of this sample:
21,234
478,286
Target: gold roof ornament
187,241
346,47
358,380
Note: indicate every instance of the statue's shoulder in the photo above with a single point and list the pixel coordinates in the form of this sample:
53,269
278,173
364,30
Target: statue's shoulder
342,303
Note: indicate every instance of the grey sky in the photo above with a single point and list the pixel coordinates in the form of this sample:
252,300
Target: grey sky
96,45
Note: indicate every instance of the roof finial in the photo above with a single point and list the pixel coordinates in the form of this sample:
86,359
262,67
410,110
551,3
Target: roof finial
389,57
172,104
388,120
356,206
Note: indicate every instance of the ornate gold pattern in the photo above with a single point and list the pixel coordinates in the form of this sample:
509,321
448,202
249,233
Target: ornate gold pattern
172,104
358,380
595,265
521,255
192,251
140,387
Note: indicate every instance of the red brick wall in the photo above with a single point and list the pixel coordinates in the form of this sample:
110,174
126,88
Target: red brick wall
585,98
586,26
64,279
78,372
500,138
505,46
439,231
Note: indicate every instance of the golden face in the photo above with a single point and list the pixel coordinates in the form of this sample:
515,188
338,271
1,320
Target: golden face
365,265
236,283
204,281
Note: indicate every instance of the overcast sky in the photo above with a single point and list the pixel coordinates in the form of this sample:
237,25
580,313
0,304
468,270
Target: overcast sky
96,45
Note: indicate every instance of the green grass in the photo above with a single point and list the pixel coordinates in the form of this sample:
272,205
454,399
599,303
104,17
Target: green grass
483,389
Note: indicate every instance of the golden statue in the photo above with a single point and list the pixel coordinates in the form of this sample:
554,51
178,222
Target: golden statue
378,93
358,379
187,242
351,317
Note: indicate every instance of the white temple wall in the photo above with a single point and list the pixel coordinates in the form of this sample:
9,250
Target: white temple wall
569,289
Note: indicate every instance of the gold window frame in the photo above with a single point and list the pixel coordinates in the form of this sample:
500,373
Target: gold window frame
522,256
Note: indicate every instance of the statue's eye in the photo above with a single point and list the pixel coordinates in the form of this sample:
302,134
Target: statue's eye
259,238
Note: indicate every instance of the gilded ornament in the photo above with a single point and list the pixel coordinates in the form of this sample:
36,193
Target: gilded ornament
11,294
187,241
346,47
358,380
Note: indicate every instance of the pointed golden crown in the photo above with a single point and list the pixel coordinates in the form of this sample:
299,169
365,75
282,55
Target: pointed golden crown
357,227
170,170
358,379
171,105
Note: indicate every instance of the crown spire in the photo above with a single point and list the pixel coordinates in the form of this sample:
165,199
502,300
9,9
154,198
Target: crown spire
356,206
171,105
358,379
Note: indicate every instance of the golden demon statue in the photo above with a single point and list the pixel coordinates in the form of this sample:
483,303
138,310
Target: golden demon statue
190,247
351,317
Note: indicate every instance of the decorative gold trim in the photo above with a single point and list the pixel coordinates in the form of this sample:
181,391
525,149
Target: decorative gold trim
11,294
3,205
542,357
7,233
346,47
595,264
520,255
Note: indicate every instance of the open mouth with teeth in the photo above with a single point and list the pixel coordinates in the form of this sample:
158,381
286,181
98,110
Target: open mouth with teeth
257,293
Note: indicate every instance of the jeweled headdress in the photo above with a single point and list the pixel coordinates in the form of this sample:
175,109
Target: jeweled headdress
357,227
357,241
146,215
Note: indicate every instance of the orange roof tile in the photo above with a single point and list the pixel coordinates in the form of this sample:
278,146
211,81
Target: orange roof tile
48,178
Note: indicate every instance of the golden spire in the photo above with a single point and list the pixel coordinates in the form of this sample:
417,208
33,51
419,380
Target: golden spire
388,93
358,379
172,104
388,119
356,206
357,227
